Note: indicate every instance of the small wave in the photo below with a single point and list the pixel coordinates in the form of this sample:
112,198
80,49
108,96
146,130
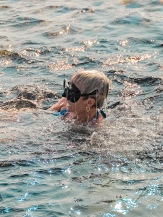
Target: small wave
87,10
146,80
128,59
122,76
13,56
131,4
52,7
131,20
60,8
4,7
4,53
140,40
27,22
14,162
62,31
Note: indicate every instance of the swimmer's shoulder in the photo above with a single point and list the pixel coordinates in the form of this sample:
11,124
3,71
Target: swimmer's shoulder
60,105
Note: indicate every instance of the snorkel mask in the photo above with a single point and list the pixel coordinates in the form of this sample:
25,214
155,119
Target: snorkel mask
72,93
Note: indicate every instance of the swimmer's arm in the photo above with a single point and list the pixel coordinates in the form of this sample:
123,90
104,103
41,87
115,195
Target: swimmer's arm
60,105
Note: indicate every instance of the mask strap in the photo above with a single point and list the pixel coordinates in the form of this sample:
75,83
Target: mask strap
65,83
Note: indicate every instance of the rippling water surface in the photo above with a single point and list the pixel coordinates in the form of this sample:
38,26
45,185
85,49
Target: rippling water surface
52,168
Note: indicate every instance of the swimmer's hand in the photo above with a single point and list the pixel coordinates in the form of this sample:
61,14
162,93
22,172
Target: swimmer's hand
60,105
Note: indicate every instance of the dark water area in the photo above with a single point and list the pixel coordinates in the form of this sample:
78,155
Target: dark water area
49,167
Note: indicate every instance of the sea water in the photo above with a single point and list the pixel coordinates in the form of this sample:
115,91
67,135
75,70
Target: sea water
49,167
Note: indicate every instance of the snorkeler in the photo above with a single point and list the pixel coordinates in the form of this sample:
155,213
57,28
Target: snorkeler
83,97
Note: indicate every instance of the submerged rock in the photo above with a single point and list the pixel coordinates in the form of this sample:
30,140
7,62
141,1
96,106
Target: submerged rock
37,95
18,104
32,93
27,97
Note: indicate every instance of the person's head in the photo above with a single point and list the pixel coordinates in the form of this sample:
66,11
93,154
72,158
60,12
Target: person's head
88,87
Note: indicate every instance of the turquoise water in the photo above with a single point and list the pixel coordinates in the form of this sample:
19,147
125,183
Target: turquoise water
52,168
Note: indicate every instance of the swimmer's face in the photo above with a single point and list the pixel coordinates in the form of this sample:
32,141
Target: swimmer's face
77,102
77,107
